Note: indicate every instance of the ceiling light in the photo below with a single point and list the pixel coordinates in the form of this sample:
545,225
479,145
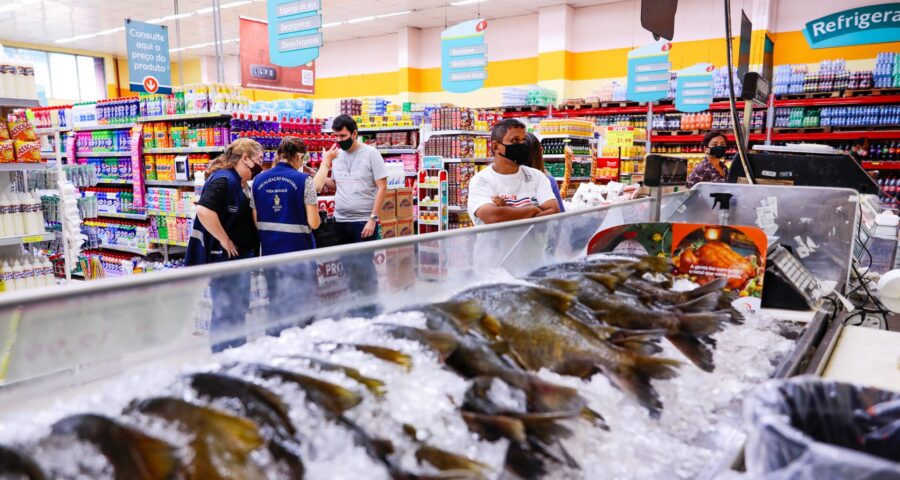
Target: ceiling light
386,15
176,16
111,31
332,24
240,3
202,45
75,38
203,11
361,19
16,4
466,2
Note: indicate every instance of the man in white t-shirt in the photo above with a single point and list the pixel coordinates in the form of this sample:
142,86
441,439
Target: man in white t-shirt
508,190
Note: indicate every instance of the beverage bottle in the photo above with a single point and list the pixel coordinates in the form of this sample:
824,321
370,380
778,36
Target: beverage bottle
18,276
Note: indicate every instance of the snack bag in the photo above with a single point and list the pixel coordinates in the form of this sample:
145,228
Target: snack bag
27,152
21,129
4,133
7,151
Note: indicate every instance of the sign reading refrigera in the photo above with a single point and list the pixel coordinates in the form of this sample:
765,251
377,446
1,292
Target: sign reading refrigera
857,26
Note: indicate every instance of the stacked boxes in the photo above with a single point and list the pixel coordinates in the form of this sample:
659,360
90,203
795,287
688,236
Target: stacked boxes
404,212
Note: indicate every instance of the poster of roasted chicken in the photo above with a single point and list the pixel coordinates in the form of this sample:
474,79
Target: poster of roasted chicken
700,253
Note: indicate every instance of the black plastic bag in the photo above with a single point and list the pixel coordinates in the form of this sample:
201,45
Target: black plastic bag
326,235
811,428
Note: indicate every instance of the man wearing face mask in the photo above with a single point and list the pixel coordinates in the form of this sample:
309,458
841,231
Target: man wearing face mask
712,169
508,190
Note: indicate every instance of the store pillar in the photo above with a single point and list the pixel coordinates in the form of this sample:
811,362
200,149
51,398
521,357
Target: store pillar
554,42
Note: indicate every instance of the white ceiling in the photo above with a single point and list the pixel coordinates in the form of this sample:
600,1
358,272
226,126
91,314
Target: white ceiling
45,21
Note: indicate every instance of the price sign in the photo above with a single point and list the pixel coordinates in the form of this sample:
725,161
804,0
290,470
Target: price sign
32,239
619,137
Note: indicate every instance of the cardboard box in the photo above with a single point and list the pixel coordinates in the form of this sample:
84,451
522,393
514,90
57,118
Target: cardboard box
405,227
404,203
389,207
389,229
326,204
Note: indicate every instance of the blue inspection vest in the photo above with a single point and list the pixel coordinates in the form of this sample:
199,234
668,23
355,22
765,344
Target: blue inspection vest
281,211
203,247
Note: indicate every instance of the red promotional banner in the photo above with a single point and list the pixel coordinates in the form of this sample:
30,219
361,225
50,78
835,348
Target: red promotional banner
257,71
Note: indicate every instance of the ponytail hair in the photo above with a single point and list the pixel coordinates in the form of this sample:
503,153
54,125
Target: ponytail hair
290,147
234,152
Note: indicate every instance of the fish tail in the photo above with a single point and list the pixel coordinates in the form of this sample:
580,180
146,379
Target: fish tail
548,397
635,379
494,427
373,385
444,460
696,351
387,354
655,264
714,286
700,323
524,462
281,452
570,287
343,398
158,457
465,312
611,282
442,343
702,303
643,343
595,418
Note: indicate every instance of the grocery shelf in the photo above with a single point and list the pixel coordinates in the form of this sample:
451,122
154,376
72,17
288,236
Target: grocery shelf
160,241
396,151
574,179
50,155
429,222
412,174
127,216
184,116
169,183
468,160
881,165
553,136
439,133
403,128
51,130
90,128
561,156
102,154
114,182
157,213
457,209
21,167
429,205
123,248
178,150
20,239
755,137
6,102
841,135
839,101
433,186
563,161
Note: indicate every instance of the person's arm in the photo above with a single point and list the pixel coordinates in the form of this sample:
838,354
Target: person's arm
321,177
210,221
550,207
493,214
311,203
545,198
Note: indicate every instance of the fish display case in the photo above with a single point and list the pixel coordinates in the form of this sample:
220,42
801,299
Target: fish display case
135,353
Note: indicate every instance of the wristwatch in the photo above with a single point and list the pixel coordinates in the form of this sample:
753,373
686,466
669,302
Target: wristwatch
374,217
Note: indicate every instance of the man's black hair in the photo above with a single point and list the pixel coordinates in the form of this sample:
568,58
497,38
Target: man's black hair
342,122
503,126
711,135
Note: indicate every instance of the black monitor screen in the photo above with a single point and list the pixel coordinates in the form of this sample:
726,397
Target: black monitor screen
839,171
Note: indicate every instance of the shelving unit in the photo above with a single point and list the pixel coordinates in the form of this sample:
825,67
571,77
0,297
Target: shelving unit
102,154
156,213
185,116
444,133
20,239
403,128
396,151
564,136
22,167
114,182
468,160
92,128
181,150
174,243
433,212
169,183
126,216
136,251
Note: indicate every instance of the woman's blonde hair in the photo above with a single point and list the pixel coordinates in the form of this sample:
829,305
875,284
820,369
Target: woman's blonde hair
234,152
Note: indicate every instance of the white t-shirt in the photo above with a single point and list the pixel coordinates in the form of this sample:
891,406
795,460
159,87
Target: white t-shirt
354,176
524,188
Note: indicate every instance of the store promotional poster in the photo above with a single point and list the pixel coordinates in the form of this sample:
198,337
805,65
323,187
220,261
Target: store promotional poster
149,70
700,253
856,26
259,71
464,57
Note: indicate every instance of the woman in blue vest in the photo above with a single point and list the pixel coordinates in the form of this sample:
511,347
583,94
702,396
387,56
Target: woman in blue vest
223,231
286,212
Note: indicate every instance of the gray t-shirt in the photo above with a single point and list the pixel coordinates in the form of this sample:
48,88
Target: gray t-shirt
354,175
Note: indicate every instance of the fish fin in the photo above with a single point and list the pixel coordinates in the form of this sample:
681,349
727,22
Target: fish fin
386,354
716,286
444,460
654,264
700,323
343,398
525,462
702,303
595,418
373,385
547,430
635,379
158,457
643,343
383,447
494,427
560,301
547,397
292,459
442,343
13,461
696,351
611,282
491,326
735,316
464,312
333,397
242,434
570,287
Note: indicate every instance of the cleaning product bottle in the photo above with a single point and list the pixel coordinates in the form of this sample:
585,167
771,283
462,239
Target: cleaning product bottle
18,280
18,218
3,287
28,273
37,214
6,223
49,279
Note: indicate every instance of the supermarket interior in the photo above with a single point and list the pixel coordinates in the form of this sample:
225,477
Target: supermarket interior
468,239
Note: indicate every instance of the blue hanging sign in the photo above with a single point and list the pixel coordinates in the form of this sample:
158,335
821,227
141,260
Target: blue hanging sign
464,57
149,70
857,26
295,35
694,89
648,72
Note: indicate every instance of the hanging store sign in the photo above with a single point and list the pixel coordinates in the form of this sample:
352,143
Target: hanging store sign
464,57
295,37
857,26
257,71
648,72
149,70
694,89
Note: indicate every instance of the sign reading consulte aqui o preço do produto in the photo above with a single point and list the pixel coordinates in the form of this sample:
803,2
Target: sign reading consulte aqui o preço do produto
856,26
149,70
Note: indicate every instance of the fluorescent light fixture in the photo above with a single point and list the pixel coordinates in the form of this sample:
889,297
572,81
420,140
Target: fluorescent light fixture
16,4
75,38
177,16
203,11
361,19
466,2
395,14
203,45
332,24
111,31
240,3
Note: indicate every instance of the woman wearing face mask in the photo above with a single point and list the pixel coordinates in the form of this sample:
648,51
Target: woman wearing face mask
224,231
712,168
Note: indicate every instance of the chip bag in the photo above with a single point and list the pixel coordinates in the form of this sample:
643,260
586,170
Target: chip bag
21,129
27,152
4,133
7,151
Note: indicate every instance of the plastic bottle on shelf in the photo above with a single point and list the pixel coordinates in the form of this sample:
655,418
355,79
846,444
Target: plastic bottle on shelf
36,215
6,277
17,217
18,276
28,274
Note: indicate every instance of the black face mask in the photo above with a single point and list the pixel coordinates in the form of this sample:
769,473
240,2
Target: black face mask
346,145
517,152
717,152
255,170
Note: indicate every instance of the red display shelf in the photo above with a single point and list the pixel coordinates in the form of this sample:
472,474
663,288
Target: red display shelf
843,135
839,101
881,165
755,137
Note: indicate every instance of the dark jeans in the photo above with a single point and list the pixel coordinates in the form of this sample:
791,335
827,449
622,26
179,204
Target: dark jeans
293,293
230,304
359,268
